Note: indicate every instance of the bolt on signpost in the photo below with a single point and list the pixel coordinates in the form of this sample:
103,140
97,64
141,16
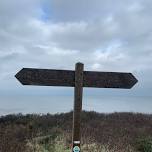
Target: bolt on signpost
77,79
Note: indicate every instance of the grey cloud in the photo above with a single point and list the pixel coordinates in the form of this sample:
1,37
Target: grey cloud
106,36
8,57
12,11
85,9
84,36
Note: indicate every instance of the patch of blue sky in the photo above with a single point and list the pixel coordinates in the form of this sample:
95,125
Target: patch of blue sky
46,13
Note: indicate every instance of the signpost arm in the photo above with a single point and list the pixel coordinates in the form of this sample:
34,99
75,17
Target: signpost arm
78,90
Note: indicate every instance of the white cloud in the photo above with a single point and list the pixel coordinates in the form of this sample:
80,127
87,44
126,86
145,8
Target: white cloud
102,34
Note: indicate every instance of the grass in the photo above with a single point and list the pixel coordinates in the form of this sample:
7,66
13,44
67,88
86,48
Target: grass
59,145
56,145
144,144
116,132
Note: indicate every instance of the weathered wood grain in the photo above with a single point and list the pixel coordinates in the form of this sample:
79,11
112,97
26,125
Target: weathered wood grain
48,77
78,91
109,80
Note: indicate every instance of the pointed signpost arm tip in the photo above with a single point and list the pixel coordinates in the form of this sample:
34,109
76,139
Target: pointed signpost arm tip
135,80
17,75
21,76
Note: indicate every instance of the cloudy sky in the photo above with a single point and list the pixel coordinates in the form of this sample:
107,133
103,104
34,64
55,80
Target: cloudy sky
103,34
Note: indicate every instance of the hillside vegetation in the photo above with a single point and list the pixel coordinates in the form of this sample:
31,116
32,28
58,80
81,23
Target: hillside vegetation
117,132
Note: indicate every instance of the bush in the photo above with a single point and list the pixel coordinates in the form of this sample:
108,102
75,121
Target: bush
144,145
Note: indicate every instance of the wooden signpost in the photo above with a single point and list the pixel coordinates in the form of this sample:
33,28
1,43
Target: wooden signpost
77,79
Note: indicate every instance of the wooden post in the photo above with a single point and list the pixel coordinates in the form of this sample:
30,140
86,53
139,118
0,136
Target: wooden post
78,91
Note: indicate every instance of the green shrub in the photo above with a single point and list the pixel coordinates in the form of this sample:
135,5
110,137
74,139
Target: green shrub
144,145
